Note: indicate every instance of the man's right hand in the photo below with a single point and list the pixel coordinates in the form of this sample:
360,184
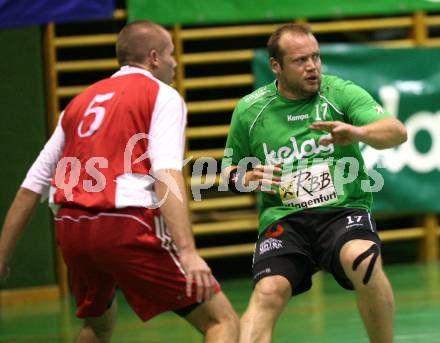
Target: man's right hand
198,273
265,176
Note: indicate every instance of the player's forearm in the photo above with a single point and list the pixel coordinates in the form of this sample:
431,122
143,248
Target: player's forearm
16,219
174,208
384,133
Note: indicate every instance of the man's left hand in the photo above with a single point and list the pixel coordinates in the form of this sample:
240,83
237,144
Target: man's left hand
341,133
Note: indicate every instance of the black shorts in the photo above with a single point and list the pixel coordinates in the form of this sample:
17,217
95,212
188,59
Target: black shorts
302,243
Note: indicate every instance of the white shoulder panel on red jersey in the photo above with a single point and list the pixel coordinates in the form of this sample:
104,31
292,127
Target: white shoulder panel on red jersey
39,176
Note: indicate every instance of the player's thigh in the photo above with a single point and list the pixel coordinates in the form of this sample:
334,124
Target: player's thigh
353,232
295,270
215,311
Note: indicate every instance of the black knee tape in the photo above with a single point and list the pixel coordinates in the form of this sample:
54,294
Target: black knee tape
374,250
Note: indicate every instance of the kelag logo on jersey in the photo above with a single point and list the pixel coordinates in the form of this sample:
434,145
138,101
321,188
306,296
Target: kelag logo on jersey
288,154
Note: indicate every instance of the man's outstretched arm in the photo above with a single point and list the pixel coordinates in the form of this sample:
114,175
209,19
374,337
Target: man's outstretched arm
34,186
382,134
16,220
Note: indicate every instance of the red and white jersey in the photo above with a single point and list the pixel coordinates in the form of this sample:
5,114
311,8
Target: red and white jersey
107,141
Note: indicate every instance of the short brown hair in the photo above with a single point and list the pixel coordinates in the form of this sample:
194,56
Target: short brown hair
273,46
137,39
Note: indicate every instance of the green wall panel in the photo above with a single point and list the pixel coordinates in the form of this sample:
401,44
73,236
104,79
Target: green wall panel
190,12
22,135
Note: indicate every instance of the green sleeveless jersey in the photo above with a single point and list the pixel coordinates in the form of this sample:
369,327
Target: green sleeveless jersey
271,130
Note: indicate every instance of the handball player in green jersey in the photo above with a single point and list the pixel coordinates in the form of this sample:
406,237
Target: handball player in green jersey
296,142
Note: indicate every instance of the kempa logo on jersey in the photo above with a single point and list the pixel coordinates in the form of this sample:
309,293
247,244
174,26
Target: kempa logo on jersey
270,244
298,117
288,154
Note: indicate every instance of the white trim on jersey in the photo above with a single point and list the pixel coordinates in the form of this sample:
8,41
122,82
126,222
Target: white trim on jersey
103,214
127,70
328,102
166,241
261,111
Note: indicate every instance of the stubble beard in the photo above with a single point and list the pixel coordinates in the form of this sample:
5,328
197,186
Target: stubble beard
303,91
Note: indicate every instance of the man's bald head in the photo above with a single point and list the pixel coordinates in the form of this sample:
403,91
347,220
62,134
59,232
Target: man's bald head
137,39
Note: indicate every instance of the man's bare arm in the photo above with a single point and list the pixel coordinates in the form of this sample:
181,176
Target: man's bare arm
382,134
15,223
170,190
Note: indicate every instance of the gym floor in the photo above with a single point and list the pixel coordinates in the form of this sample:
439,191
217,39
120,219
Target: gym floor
325,314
